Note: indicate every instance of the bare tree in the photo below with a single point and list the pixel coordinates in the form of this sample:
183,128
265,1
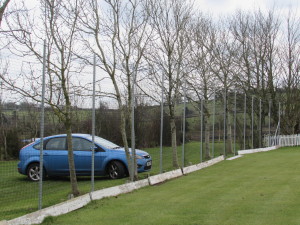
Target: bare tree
120,33
257,59
60,32
224,69
202,80
168,53
290,61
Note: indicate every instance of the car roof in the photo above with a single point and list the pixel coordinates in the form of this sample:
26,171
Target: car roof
73,135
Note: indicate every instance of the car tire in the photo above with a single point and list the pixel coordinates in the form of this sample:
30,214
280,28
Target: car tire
116,170
33,172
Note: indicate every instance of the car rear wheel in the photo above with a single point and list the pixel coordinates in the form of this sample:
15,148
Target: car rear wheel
33,172
116,170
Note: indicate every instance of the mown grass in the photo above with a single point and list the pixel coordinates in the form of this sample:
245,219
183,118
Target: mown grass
261,188
19,196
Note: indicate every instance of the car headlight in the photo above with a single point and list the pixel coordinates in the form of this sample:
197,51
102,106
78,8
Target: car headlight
139,157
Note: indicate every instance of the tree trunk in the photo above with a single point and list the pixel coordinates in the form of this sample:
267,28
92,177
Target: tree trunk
125,142
68,126
228,133
229,137
73,178
174,142
206,138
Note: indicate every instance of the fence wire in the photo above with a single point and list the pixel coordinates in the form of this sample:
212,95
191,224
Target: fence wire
205,129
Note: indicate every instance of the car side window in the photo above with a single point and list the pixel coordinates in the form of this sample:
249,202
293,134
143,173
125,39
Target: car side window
37,146
56,144
80,144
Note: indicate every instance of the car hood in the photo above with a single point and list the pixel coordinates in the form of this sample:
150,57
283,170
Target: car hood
137,151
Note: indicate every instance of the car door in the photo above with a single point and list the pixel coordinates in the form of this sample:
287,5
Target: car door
82,149
56,156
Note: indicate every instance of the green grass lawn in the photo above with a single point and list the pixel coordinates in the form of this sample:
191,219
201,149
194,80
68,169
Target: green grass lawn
261,188
19,196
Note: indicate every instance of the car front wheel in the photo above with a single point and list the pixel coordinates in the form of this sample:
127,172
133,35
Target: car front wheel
116,170
33,172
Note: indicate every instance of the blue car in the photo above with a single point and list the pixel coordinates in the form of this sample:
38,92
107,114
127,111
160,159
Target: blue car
110,159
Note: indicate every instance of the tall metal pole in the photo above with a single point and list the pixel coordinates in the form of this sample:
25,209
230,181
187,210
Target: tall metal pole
279,121
225,121
260,124
161,123
234,125
40,205
270,104
93,126
213,128
279,118
252,122
183,125
132,126
201,131
245,111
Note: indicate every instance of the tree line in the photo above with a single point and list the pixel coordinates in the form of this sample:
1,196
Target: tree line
20,126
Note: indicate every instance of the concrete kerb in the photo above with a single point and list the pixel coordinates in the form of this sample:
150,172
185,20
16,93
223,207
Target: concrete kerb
234,157
241,153
164,176
78,202
249,151
202,165
56,210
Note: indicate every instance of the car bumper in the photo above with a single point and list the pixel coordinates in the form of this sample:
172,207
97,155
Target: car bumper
145,166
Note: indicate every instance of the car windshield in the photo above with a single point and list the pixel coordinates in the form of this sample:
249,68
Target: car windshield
105,143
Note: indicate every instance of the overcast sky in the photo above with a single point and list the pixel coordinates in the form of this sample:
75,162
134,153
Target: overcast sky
227,7
218,7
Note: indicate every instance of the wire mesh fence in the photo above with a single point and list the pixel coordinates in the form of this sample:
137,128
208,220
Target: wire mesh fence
201,138
203,129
